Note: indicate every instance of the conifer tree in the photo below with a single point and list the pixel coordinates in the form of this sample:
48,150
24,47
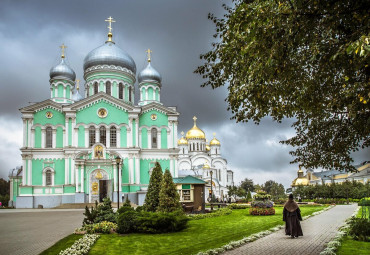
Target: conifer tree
249,196
152,196
169,199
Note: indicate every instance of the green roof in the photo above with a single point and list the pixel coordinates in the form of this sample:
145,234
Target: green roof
188,180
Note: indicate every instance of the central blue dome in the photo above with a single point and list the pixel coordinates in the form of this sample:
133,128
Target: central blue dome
109,54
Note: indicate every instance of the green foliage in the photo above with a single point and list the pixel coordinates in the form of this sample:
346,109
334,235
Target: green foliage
4,199
249,196
90,214
125,207
233,190
359,229
149,222
169,199
306,60
345,190
261,195
152,196
216,213
234,206
4,188
275,189
105,212
247,185
127,221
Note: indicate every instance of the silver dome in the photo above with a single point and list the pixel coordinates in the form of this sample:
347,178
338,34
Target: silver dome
149,74
62,71
109,54
76,96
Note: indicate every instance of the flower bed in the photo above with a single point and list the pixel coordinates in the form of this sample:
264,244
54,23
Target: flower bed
238,206
261,211
104,227
81,246
219,212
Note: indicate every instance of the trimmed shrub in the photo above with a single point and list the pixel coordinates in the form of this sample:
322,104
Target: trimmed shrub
149,222
125,207
262,204
237,206
90,214
105,212
359,229
127,221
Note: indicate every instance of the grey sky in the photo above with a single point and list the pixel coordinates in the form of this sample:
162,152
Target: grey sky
176,31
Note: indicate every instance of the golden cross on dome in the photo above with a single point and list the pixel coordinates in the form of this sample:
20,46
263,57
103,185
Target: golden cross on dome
195,119
148,51
182,133
110,21
214,134
63,47
78,84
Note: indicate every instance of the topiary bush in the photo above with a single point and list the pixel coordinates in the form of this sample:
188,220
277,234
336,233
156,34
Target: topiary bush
262,205
127,222
105,212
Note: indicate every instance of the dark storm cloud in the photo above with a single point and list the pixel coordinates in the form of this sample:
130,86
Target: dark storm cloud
176,31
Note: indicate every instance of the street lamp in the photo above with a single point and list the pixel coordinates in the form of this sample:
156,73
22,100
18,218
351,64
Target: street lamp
118,161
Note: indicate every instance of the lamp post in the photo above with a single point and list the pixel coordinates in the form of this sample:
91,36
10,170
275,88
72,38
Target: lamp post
211,172
118,161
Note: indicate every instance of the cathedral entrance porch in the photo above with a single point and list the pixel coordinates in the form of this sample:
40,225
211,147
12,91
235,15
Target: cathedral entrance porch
100,186
103,189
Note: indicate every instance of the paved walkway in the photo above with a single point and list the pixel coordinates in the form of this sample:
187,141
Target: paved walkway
317,231
31,231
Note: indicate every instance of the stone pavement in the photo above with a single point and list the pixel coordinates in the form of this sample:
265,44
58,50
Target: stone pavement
31,231
317,231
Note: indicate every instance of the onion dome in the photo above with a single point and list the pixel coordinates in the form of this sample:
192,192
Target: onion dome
109,54
214,141
182,140
62,71
149,74
300,181
76,94
195,132
206,166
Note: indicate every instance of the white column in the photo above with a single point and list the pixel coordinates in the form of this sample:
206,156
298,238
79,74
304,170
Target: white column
82,179
24,135
54,138
137,132
171,167
115,176
66,175
176,168
140,140
169,139
129,133
76,176
73,171
107,137
159,139
30,138
137,170
118,137
32,135
29,175
86,137
97,136
149,139
131,170
159,95
146,94
24,162
43,138
64,91
175,134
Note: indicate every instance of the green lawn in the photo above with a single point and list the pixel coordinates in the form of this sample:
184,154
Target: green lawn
201,235
350,246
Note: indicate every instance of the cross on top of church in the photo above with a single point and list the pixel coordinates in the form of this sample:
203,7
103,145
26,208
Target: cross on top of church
63,47
214,134
182,133
110,21
149,51
78,84
195,119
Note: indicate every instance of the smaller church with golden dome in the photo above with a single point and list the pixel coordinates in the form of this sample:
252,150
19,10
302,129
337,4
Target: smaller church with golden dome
203,160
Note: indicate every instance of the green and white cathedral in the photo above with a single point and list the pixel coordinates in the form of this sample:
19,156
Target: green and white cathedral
71,143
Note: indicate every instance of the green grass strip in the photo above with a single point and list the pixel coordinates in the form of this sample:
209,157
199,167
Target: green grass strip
350,246
62,244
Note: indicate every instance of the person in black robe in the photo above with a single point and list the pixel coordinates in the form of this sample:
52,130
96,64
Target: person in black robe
292,216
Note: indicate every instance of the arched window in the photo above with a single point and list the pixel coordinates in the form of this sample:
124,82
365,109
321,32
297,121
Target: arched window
49,138
96,88
113,137
120,91
91,136
48,178
129,94
108,88
103,135
154,138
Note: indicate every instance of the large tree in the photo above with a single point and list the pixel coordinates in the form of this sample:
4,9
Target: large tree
247,184
169,198
152,196
300,59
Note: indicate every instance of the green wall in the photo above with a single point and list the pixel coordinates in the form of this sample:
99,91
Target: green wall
59,137
123,137
164,139
38,137
145,120
89,115
125,173
81,136
40,118
134,133
39,164
60,90
144,138
150,93
68,92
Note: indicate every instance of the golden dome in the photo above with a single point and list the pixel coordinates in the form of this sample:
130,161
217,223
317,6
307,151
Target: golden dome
300,181
195,132
206,166
182,141
214,141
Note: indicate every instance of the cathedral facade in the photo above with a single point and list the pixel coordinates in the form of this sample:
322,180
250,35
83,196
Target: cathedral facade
82,148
